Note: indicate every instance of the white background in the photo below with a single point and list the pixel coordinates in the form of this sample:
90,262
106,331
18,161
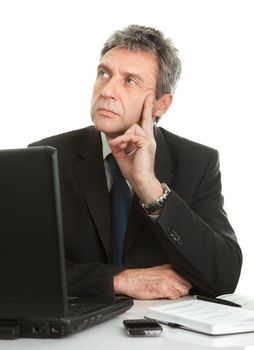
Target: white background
49,52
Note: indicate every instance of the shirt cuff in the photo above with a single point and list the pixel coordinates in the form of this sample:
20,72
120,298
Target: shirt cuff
153,217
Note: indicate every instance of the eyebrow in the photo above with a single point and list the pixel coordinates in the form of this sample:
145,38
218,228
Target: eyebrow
125,74
100,66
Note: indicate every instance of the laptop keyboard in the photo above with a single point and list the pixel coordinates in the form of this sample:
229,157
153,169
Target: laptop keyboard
76,309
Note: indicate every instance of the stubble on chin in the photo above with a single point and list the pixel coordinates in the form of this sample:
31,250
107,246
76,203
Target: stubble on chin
107,127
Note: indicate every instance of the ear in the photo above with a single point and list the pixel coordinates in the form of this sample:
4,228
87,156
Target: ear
162,105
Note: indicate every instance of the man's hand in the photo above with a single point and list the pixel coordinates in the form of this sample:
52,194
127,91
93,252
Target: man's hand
151,283
135,155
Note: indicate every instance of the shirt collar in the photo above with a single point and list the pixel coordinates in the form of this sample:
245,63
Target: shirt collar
106,150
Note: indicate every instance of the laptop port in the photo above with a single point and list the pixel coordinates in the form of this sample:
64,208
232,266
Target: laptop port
38,329
56,330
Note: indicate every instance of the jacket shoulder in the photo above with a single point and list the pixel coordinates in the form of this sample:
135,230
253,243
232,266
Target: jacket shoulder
68,140
185,148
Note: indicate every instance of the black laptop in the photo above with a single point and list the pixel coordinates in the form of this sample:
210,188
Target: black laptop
33,291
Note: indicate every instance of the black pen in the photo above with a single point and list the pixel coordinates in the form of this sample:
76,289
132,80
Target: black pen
217,301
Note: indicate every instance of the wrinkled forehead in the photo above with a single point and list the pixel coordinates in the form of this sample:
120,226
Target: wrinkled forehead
138,62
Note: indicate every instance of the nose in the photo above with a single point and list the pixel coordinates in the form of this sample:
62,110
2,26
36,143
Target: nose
110,89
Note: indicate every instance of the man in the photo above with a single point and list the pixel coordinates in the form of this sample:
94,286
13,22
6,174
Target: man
178,239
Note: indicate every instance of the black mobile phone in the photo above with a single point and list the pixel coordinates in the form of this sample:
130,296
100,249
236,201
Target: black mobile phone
142,327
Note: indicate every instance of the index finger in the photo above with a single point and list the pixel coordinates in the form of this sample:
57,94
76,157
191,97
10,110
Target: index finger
147,115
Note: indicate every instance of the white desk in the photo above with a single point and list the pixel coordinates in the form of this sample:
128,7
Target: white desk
111,335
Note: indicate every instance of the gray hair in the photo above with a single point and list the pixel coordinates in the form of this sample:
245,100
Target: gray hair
140,38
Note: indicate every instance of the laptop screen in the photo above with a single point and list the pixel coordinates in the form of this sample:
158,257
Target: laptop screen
32,271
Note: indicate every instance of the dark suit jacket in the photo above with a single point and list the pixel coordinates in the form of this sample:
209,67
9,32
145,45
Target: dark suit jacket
192,232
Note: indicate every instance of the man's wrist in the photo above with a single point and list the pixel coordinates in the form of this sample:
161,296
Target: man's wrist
148,189
117,283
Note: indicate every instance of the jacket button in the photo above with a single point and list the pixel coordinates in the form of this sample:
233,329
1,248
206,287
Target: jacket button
175,236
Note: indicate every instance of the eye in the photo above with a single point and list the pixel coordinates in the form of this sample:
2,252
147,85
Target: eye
131,81
103,74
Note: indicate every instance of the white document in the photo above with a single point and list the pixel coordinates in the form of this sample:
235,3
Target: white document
205,317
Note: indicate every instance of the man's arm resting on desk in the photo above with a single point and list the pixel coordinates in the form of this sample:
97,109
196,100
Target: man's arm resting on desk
151,283
109,280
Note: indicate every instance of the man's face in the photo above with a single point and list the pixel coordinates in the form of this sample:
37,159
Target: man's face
124,79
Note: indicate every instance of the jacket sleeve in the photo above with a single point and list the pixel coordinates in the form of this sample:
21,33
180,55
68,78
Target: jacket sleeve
91,279
198,238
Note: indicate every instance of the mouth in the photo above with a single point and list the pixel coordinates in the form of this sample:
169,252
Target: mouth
107,112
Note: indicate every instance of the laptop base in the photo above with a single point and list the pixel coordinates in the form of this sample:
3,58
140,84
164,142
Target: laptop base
61,327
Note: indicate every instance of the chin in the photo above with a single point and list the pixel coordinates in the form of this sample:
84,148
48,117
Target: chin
108,127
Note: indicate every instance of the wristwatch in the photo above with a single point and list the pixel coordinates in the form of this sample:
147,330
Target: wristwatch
158,203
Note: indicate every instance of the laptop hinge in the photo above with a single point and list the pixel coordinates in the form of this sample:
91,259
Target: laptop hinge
9,332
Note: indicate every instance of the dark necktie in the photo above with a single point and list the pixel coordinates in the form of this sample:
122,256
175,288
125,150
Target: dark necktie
120,197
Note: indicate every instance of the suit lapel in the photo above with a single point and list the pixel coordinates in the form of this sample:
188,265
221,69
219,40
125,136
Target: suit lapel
90,174
164,172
